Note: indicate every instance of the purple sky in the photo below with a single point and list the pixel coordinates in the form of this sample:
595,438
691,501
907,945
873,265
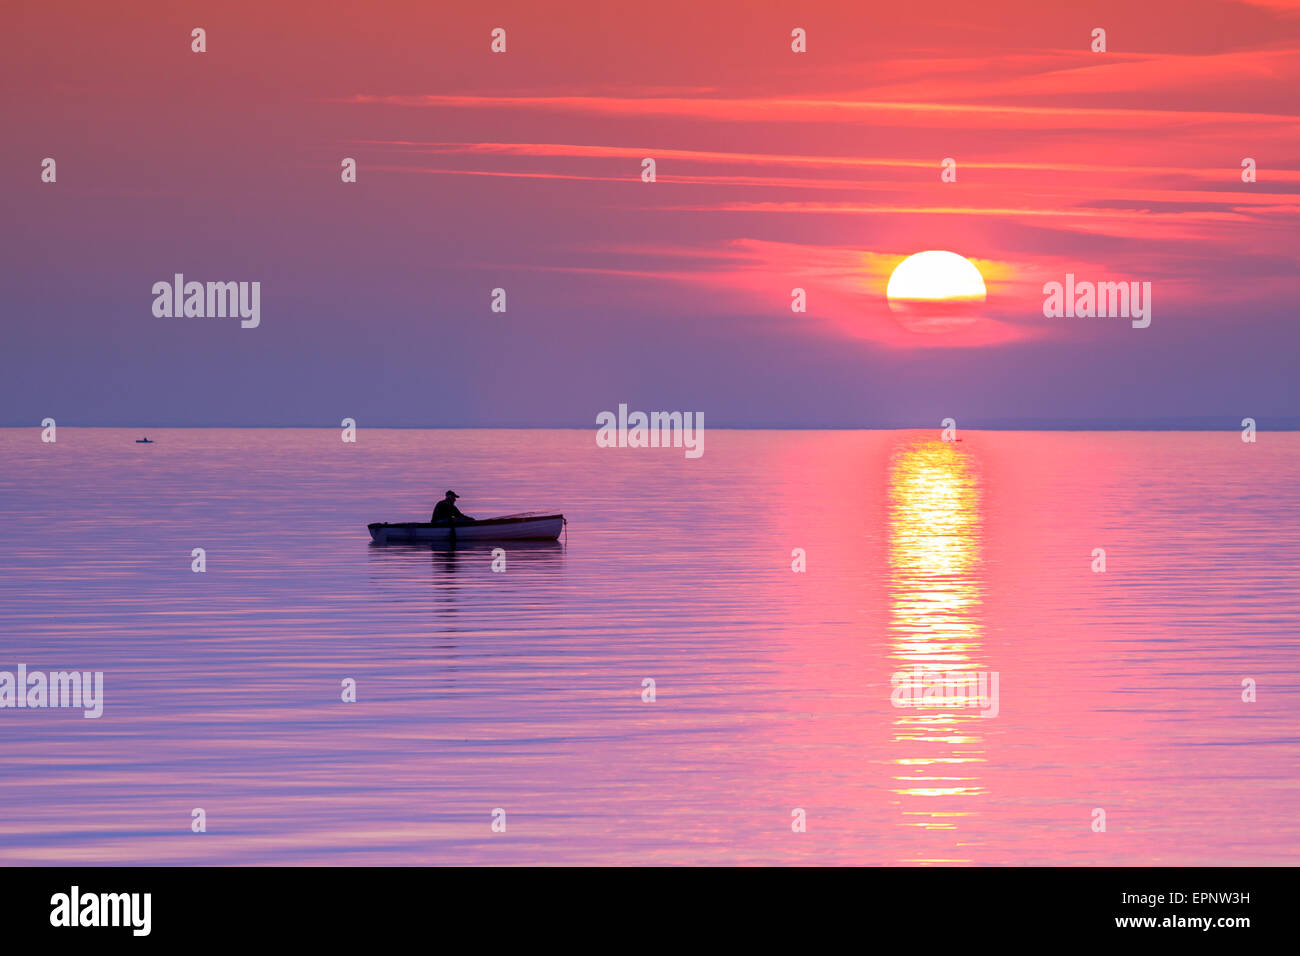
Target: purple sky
521,170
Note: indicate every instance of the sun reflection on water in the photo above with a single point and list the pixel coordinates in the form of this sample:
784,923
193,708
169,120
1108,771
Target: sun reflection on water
935,527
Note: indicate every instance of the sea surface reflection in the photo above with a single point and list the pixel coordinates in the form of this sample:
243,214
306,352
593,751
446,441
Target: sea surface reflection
521,687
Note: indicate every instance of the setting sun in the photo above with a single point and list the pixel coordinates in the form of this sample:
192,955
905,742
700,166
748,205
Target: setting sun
934,276
936,292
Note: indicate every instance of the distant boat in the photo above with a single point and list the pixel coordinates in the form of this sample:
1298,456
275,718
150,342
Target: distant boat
144,441
520,527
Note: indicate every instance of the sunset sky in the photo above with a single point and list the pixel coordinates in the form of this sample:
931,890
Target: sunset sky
522,170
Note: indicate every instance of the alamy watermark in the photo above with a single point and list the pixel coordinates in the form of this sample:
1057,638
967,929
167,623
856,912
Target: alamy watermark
655,430
930,688
1104,300
84,689
76,908
212,300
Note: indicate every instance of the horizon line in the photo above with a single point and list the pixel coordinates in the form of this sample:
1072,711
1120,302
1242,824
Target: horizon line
1287,424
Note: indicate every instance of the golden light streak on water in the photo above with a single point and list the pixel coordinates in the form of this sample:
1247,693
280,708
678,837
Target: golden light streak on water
934,564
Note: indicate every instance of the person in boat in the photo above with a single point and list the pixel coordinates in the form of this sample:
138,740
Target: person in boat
446,512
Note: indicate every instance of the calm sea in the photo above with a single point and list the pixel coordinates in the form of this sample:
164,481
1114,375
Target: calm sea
522,691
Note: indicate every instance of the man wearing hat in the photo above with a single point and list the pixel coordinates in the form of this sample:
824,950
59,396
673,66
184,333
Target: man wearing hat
446,510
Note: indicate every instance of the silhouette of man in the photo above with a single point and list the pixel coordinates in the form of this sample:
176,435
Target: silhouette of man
446,510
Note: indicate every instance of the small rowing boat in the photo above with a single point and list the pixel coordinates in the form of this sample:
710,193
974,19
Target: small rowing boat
530,526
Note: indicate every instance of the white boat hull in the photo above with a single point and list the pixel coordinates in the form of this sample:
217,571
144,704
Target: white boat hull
536,528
